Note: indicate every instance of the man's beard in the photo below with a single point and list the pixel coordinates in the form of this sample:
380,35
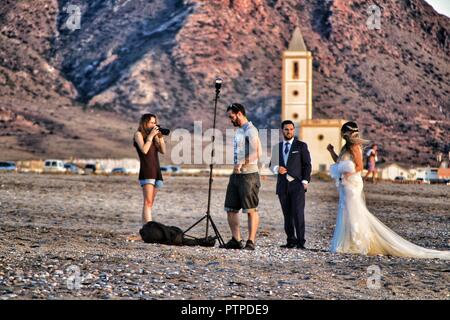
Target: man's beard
288,138
235,123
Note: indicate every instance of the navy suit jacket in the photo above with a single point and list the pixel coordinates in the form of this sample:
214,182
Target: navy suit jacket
298,166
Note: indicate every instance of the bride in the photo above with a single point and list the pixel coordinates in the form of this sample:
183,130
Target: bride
357,230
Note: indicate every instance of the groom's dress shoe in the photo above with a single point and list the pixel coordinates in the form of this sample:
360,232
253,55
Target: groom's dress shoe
288,245
301,247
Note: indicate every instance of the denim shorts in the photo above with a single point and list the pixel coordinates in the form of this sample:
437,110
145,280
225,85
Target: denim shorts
157,183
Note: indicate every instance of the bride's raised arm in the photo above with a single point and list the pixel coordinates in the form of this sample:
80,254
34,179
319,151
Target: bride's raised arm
333,154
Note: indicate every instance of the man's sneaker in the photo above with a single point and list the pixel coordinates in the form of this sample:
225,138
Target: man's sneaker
249,245
234,244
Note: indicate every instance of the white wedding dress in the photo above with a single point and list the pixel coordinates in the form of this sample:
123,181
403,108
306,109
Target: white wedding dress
359,231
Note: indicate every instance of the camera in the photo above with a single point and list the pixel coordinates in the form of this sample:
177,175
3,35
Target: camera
163,131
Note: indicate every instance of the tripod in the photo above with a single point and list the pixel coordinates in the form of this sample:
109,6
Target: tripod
207,216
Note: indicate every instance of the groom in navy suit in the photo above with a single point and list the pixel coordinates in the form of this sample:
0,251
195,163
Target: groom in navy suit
292,162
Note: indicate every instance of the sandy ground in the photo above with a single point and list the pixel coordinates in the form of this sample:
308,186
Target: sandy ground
64,237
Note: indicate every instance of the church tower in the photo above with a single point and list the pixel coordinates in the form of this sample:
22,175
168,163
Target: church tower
296,105
296,99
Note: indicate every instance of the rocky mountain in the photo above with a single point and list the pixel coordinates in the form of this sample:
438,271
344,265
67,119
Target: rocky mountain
85,88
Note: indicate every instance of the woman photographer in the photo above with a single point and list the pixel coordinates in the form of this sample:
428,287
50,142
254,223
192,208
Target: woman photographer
148,141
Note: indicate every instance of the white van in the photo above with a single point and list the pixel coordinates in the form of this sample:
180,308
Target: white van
52,165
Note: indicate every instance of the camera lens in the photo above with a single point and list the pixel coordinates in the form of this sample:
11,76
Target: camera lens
164,131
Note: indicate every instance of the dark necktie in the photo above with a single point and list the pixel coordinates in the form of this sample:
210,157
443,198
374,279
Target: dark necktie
286,152
286,148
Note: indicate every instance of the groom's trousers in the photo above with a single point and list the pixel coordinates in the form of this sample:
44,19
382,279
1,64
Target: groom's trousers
293,205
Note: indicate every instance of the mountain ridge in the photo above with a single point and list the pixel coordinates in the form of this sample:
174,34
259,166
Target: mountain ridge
163,56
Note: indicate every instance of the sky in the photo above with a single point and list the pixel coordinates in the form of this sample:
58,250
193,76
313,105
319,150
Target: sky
441,6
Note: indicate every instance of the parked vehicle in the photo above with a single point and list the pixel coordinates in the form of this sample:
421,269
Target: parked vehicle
176,169
8,166
166,169
89,168
72,168
119,171
56,166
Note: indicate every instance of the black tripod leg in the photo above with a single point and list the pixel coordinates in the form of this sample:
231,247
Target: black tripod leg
219,237
195,224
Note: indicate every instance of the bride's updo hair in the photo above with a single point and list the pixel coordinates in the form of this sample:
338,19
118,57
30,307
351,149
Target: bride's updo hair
350,126
350,133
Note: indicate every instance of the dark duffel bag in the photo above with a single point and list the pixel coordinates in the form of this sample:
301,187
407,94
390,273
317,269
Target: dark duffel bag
155,232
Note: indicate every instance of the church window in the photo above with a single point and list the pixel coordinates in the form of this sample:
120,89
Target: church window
296,71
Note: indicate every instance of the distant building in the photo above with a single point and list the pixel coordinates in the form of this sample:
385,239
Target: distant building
318,133
431,174
389,171
443,173
296,97
419,173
